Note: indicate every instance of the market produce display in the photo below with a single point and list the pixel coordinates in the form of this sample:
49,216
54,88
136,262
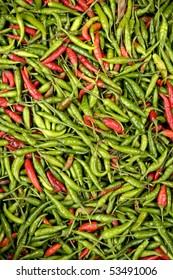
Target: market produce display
86,130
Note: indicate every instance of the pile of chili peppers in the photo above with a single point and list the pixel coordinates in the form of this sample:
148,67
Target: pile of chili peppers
86,129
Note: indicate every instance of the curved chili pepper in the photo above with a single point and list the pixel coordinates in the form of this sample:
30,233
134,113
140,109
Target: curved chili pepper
84,253
89,86
31,174
87,64
54,66
113,125
167,107
55,183
15,57
90,227
13,115
54,55
32,90
170,93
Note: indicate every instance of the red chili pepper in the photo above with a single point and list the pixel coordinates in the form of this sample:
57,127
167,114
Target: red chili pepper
2,133
168,133
75,7
32,90
113,125
46,221
151,176
10,76
96,26
87,64
55,54
157,173
13,115
84,253
36,83
170,93
4,78
11,148
72,57
80,75
52,250
152,115
83,91
87,121
2,190
110,190
4,102
164,256
18,107
158,128
28,156
16,37
117,67
124,53
15,57
31,174
85,33
55,183
167,108
150,258
90,227
106,64
160,82
7,240
97,51
54,66
162,197
84,6
73,212
100,84
147,25
115,223
29,1
13,142
27,29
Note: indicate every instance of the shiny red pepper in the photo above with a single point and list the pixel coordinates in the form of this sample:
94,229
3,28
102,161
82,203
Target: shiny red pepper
55,183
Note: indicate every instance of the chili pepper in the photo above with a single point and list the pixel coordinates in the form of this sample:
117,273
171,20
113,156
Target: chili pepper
113,125
32,90
162,197
16,37
164,256
27,29
31,174
53,249
167,109
73,57
6,240
56,184
84,253
90,227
